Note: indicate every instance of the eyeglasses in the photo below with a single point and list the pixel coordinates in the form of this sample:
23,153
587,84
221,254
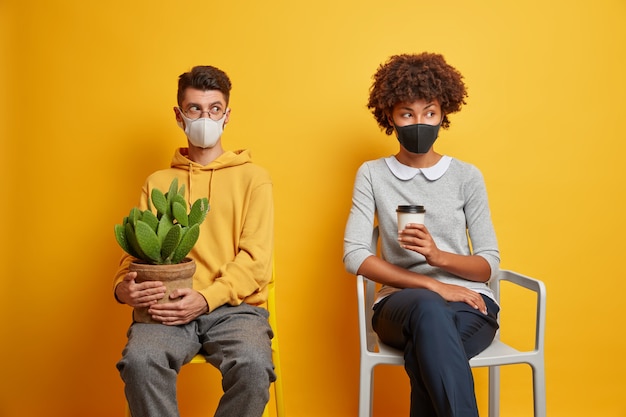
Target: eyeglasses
194,112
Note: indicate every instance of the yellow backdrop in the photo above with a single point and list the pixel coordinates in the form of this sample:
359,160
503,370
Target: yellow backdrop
87,96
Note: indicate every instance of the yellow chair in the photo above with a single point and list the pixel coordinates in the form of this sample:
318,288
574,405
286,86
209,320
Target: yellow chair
279,408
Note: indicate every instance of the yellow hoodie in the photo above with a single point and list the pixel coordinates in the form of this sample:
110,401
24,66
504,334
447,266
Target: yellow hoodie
234,252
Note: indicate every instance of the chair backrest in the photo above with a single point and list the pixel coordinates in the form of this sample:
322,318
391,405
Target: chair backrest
278,384
271,307
366,293
366,290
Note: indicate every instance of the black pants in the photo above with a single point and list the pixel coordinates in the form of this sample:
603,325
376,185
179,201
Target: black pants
438,339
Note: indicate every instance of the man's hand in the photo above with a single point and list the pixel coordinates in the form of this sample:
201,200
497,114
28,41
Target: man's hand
190,305
139,295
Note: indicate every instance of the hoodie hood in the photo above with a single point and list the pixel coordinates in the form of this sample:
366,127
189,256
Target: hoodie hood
181,160
196,180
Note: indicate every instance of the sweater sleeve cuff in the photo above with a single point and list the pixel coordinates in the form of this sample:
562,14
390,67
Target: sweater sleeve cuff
216,295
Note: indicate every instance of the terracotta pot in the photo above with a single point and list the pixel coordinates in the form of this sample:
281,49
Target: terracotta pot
172,276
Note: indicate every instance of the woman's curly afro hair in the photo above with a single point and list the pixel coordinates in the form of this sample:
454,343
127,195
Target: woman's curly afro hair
406,78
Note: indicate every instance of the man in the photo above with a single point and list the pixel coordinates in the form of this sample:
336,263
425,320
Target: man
222,316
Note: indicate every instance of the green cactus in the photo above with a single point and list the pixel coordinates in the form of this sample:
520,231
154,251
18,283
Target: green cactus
168,236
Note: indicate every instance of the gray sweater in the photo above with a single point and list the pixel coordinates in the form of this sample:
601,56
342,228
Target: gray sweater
457,216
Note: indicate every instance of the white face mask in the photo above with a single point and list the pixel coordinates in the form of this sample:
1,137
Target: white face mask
202,132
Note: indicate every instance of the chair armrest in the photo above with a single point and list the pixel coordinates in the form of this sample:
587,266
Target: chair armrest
523,281
536,286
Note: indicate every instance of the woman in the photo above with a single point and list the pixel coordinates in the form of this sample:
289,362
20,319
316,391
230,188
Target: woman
434,304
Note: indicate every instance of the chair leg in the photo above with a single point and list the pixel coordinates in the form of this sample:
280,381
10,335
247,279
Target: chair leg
266,412
366,391
494,391
278,384
277,398
539,389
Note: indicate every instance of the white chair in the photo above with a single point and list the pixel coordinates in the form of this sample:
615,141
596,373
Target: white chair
374,352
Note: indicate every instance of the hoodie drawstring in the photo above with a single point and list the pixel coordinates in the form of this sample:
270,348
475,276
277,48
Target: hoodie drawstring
190,172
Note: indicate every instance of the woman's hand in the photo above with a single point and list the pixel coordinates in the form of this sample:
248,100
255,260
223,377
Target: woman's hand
417,238
457,293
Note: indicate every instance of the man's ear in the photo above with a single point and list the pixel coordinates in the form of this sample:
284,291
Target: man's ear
227,116
179,118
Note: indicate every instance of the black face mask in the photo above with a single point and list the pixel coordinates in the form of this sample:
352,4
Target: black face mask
418,138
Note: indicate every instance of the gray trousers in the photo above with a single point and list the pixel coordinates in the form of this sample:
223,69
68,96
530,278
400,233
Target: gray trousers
234,339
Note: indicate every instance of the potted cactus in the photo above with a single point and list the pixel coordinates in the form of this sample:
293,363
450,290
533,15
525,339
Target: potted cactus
161,242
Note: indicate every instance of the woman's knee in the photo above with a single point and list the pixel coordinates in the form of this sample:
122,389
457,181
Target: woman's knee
427,304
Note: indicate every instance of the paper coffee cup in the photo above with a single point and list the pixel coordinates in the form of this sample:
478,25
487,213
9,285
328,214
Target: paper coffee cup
410,214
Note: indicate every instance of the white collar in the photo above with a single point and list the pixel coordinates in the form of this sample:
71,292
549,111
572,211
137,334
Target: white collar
405,172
